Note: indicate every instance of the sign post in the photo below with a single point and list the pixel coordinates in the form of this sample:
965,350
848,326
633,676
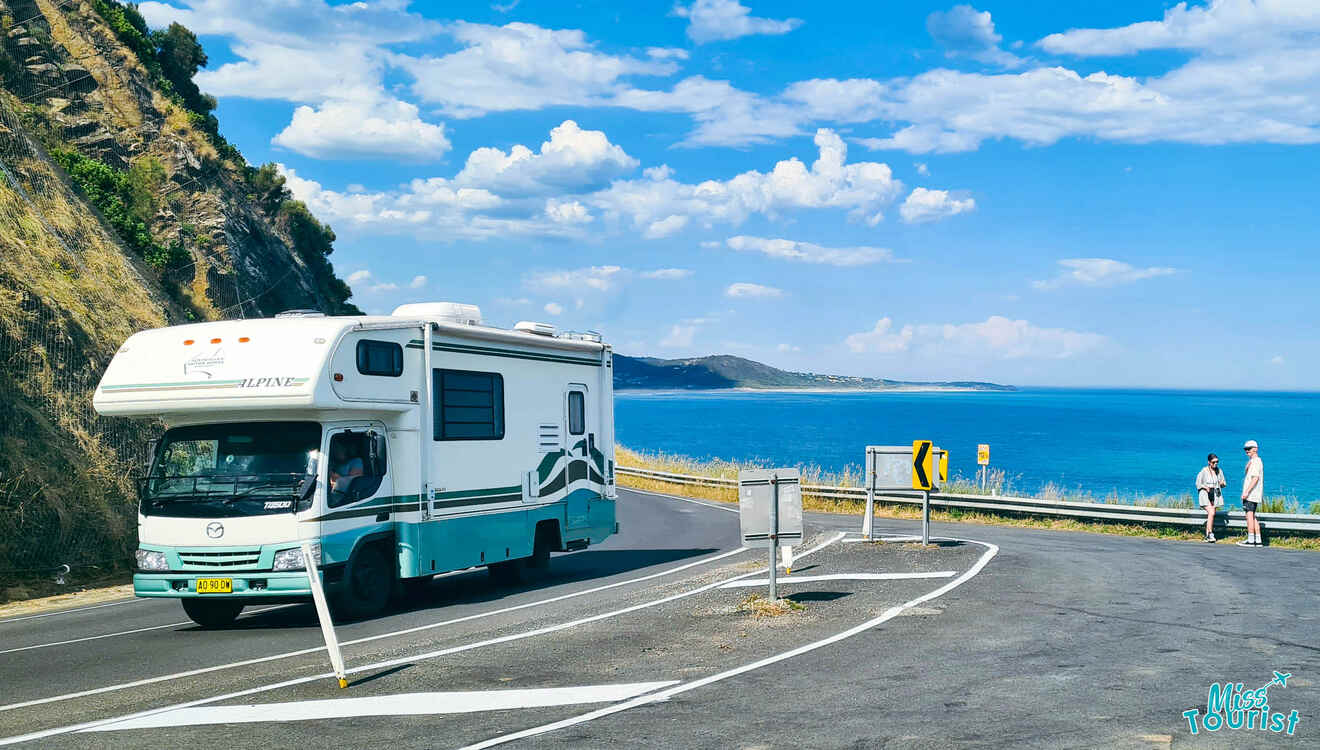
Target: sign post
983,459
323,614
923,478
770,511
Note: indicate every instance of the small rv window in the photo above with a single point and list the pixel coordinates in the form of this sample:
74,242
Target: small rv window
468,405
380,358
577,413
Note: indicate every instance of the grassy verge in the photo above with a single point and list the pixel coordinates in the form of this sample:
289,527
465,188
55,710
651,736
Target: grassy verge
813,475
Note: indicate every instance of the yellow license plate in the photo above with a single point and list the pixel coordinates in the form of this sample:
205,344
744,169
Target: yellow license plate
215,585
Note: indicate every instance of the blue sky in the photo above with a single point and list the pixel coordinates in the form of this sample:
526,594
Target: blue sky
1114,194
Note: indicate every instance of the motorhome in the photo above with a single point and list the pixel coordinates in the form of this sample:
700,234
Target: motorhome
400,446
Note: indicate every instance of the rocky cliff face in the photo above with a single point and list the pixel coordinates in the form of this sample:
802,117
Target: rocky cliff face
121,208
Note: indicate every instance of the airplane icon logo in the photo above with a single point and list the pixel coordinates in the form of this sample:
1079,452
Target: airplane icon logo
1281,679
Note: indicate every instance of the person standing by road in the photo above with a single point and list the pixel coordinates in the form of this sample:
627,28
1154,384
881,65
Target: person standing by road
1253,492
1210,484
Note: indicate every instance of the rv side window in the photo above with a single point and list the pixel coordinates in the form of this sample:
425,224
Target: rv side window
380,358
577,413
468,405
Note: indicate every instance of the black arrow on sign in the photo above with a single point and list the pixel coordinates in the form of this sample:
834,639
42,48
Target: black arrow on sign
919,463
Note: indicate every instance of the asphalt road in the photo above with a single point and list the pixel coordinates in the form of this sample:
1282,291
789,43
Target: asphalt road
1007,638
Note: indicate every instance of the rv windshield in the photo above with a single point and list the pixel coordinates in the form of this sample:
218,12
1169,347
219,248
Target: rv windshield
222,470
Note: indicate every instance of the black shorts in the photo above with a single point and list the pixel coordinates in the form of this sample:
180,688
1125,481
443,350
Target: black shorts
1249,506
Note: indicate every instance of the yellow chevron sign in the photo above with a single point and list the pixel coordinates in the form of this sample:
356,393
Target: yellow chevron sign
944,466
923,469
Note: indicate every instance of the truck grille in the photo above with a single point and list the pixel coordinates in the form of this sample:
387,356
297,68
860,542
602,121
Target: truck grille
212,560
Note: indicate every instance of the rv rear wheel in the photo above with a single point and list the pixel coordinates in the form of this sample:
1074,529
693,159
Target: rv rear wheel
367,584
212,613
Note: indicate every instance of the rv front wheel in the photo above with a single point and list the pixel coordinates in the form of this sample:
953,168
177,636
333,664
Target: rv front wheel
212,613
367,584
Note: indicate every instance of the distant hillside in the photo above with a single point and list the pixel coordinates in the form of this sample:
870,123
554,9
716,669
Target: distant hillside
727,371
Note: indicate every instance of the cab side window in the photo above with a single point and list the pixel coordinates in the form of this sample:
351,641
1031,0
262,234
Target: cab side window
357,466
577,413
380,358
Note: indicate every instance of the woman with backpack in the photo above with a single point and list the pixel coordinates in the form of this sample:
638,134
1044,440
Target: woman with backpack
1210,483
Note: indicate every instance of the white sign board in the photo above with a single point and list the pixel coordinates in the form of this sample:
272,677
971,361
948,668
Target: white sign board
757,489
889,467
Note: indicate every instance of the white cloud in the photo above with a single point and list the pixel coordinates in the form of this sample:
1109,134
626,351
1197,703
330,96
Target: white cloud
788,348
963,30
996,337
554,308
932,205
746,289
363,129
417,282
680,336
572,160
807,252
357,277
595,278
830,182
1099,272
666,53
922,169
521,66
1277,359
882,339
667,274
714,20
1218,26
665,227
567,212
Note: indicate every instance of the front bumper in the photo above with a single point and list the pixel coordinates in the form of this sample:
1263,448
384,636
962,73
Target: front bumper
247,584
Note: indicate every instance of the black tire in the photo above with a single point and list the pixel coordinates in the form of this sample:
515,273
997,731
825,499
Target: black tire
212,613
367,584
507,573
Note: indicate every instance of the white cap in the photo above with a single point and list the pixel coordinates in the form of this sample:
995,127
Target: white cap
1249,444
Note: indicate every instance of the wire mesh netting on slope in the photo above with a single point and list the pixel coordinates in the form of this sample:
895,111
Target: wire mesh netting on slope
69,295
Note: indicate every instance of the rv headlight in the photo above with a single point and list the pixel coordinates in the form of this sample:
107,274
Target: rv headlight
151,560
292,559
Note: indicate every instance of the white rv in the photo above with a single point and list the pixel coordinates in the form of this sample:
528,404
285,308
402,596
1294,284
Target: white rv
402,446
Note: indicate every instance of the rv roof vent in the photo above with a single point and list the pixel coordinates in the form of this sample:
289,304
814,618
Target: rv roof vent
446,312
300,314
540,329
592,336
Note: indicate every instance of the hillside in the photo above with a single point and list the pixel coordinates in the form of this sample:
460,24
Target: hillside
121,208
727,371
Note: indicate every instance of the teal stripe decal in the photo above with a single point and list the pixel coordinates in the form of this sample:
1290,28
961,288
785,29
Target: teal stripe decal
512,353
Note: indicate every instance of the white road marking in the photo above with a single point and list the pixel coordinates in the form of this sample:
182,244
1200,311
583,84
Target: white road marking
903,538
664,695
392,634
130,632
393,662
70,611
839,577
405,704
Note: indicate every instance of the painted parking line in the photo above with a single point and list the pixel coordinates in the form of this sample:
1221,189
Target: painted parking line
394,662
839,577
392,634
70,611
405,704
131,632
666,694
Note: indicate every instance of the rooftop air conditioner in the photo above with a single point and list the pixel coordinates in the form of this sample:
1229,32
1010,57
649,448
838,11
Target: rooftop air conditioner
445,312
540,329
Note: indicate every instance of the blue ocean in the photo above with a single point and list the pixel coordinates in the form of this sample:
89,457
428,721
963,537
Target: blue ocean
1133,443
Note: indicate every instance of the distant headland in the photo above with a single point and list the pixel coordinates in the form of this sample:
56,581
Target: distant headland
725,371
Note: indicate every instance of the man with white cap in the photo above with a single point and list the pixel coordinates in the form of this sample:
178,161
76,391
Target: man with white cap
1253,491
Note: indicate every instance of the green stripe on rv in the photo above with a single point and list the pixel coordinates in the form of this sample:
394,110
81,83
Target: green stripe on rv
513,353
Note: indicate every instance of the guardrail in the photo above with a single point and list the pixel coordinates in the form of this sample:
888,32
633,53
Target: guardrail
1191,517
